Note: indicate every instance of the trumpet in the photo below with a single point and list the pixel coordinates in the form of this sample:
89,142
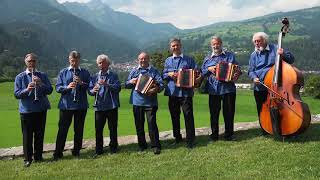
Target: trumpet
36,98
75,89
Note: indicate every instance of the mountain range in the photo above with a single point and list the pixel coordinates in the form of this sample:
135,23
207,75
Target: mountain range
51,30
124,25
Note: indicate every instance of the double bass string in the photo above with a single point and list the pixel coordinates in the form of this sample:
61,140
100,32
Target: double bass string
281,98
273,91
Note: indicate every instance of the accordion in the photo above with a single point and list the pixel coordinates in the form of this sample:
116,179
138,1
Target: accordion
227,72
144,83
186,78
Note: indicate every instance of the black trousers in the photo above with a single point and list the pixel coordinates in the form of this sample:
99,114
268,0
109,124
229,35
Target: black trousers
185,103
139,113
100,121
33,127
228,111
64,124
260,97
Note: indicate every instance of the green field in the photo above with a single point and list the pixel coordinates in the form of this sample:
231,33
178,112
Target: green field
251,157
10,130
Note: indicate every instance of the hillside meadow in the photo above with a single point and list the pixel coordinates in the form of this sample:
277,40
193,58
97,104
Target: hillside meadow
10,130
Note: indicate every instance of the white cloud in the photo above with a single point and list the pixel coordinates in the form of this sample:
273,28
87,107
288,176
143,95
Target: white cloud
81,1
191,14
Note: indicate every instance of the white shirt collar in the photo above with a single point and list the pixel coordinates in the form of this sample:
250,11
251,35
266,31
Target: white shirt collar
70,67
149,67
101,72
213,54
174,55
267,47
27,71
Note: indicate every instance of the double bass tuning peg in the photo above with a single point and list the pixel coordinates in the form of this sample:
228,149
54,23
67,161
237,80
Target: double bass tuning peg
285,21
285,27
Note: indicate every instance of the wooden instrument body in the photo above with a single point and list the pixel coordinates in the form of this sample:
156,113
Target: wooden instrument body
294,115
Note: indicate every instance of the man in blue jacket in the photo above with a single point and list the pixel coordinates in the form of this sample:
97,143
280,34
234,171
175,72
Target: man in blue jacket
260,62
179,98
31,87
72,84
219,91
145,103
105,86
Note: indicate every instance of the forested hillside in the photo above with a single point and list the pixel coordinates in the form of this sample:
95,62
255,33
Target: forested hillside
303,39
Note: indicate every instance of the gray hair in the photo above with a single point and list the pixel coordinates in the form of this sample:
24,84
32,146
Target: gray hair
217,38
174,40
143,52
104,58
261,34
74,54
33,55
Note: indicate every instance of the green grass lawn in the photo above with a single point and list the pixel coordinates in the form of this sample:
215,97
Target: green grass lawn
250,157
10,130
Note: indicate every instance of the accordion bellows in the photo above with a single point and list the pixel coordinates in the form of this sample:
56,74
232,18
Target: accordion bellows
227,72
144,83
185,78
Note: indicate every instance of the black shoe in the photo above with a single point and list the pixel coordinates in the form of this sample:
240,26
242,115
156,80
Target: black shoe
113,150
38,160
230,138
156,150
212,140
75,153
177,141
27,163
56,157
142,148
190,145
96,155
264,133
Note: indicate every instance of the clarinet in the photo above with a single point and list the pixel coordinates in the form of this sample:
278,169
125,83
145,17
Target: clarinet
36,99
75,89
96,95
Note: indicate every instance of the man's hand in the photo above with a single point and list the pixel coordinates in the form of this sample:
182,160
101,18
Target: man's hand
173,75
212,69
198,81
31,86
280,51
96,88
153,90
133,81
37,80
77,80
72,85
256,80
103,82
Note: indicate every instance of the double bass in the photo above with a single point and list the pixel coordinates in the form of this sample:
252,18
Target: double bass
284,113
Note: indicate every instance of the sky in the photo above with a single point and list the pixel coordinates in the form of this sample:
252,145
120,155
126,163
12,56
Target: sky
186,14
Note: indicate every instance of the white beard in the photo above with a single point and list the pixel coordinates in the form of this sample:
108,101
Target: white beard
217,51
259,49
